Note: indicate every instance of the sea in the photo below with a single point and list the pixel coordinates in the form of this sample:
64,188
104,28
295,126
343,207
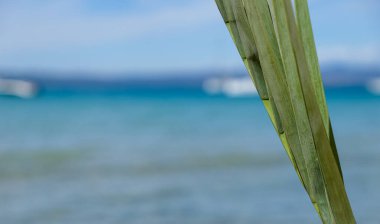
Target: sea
171,157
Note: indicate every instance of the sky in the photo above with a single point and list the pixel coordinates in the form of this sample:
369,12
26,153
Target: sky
162,35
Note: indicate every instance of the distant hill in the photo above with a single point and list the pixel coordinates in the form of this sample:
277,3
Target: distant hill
343,75
334,75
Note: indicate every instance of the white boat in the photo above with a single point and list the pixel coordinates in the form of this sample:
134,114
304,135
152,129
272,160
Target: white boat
374,86
18,88
232,87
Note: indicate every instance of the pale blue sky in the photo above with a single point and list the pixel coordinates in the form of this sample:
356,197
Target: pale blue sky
162,35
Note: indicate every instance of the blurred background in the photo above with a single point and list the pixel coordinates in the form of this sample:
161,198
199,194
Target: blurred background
135,111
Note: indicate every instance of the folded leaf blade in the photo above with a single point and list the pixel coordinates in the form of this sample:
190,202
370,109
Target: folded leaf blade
279,52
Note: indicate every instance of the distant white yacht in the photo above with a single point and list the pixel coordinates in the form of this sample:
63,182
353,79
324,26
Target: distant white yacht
232,87
18,88
374,86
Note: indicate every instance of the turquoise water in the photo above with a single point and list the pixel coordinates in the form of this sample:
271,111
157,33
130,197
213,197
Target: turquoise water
170,157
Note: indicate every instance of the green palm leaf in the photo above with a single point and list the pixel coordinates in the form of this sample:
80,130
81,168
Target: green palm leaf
279,52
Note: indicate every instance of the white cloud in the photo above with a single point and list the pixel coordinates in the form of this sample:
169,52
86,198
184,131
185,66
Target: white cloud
61,23
355,55
49,34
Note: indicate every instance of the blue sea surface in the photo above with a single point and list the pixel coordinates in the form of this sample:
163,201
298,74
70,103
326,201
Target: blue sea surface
169,157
